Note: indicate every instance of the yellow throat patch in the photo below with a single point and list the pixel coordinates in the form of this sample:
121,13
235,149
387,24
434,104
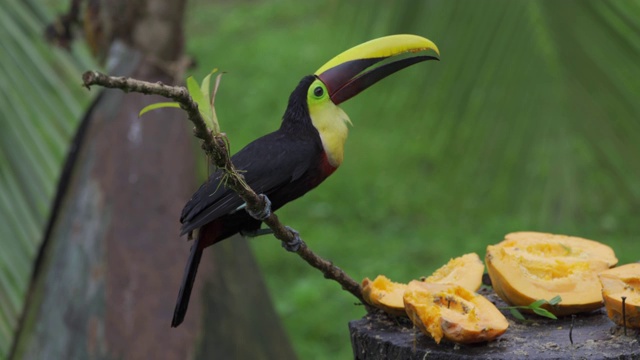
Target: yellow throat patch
331,123
329,120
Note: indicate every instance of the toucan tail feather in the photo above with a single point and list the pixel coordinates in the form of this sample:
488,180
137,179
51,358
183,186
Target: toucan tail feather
187,283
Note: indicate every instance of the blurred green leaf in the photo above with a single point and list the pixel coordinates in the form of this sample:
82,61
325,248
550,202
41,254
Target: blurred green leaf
201,96
207,103
555,300
158,106
203,103
535,307
544,312
214,115
537,303
194,90
517,314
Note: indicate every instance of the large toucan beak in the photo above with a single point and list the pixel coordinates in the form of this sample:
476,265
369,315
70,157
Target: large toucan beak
349,73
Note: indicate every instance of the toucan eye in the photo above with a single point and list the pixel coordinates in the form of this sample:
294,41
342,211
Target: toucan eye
318,91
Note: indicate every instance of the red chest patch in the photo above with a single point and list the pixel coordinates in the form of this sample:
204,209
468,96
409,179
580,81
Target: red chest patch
325,166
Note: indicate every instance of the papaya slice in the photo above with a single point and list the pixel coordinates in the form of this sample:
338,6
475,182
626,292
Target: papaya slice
465,271
529,266
619,282
384,294
453,312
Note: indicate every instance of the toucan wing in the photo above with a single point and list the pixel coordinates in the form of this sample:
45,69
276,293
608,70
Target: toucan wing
267,164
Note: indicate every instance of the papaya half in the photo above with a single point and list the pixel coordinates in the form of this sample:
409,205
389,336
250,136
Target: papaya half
623,281
529,266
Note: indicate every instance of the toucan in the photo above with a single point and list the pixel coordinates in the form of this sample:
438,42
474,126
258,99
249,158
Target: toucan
305,150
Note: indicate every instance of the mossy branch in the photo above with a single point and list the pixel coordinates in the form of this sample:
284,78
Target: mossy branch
215,146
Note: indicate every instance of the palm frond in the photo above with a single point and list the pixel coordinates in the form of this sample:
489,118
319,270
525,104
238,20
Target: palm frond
40,104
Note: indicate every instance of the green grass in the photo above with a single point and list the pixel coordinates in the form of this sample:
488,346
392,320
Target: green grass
527,123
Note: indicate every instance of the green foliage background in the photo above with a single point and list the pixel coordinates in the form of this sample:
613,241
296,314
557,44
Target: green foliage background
529,122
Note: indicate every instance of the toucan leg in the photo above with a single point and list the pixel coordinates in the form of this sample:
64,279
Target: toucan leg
293,246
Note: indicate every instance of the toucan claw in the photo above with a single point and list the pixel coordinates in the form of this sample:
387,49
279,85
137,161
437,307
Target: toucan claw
263,214
293,246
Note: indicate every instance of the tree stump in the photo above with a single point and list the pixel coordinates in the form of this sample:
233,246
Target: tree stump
380,336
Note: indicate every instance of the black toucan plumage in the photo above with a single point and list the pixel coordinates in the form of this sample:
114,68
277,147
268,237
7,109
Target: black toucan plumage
305,150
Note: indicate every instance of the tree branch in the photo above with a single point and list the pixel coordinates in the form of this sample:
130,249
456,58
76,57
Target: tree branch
215,146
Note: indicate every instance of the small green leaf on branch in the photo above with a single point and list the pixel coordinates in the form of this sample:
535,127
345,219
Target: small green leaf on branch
200,94
158,106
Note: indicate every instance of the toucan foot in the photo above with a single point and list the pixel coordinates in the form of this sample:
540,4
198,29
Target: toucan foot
294,245
263,214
